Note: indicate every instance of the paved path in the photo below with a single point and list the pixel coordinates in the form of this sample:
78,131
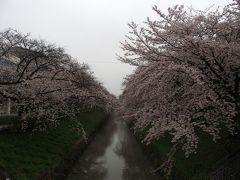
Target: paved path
2,127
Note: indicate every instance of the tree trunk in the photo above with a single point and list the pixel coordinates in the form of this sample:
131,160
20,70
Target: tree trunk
21,113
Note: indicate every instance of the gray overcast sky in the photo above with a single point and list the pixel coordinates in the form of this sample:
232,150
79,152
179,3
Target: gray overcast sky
90,30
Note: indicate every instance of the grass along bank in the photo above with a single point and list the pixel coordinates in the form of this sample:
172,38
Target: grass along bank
25,155
209,155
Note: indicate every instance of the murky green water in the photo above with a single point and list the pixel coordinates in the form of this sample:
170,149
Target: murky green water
113,155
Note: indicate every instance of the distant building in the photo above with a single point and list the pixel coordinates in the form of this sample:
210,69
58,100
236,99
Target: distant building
5,103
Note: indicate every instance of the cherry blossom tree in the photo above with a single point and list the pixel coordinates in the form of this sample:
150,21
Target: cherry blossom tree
187,76
45,82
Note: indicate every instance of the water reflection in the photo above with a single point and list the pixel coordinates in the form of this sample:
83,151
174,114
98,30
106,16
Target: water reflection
113,155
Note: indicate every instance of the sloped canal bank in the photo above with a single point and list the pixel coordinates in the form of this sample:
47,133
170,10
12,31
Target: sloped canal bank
114,154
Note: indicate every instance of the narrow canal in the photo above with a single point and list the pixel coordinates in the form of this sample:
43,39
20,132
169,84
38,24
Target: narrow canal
113,155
